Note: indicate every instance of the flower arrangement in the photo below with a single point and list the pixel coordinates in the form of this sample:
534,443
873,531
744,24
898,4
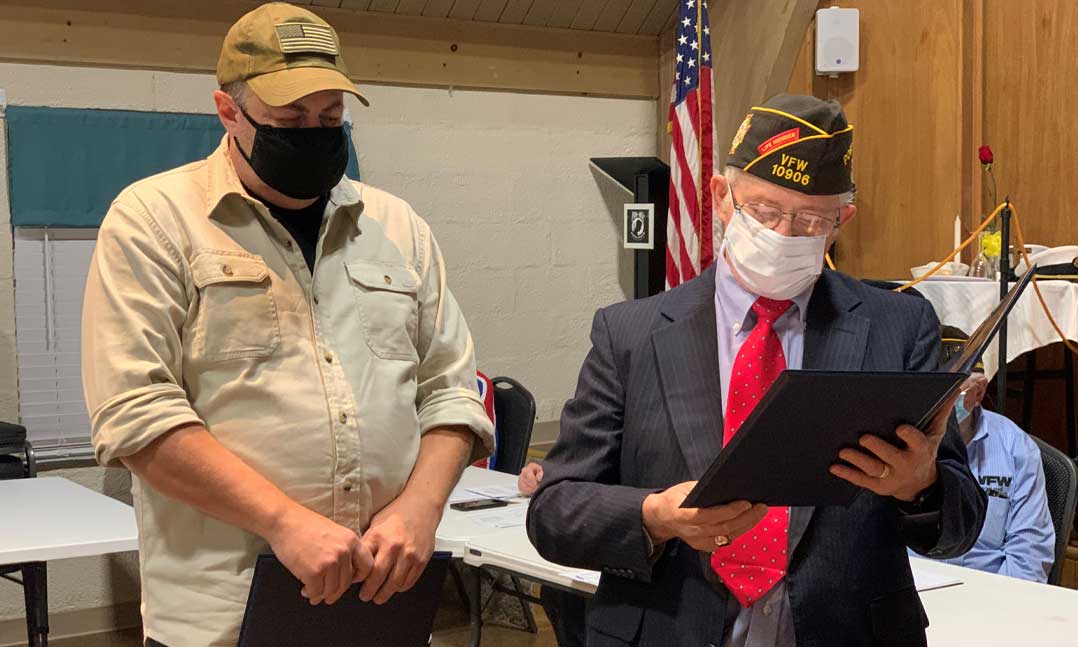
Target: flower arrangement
984,153
991,241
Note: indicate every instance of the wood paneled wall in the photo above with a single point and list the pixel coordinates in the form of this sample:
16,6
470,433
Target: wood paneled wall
938,78
1030,99
906,107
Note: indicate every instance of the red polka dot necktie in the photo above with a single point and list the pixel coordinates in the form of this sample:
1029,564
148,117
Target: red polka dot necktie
756,561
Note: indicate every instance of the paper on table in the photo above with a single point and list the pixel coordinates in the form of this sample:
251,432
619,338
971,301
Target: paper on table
510,516
496,491
587,577
928,581
461,494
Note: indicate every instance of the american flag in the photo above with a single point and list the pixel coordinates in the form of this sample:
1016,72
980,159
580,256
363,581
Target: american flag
689,244
302,37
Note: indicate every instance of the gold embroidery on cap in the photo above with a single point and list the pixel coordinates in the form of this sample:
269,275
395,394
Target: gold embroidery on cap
306,38
741,132
793,117
748,166
792,169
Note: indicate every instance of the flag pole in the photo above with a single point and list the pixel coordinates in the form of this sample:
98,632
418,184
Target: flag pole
700,113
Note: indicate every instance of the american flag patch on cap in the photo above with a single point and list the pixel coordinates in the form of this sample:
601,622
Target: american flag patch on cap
304,38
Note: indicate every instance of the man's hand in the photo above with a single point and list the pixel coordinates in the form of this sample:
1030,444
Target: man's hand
530,476
401,539
889,471
325,556
664,519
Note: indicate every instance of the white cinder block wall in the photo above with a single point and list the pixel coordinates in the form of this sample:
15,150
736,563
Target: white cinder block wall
531,239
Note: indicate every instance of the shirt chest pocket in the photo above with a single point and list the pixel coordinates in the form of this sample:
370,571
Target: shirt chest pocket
237,316
995,521
388,307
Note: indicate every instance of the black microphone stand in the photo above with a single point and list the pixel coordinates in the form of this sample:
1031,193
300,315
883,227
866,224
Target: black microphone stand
1005,277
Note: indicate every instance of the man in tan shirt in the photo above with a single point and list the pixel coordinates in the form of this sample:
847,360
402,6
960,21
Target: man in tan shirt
273,352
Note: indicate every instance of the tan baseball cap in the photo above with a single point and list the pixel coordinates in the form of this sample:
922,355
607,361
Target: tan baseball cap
284,53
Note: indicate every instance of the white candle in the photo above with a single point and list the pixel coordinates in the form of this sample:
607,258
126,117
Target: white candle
957,232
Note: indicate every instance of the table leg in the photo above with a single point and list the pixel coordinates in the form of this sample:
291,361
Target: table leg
475,605
525,610
455,567
36,593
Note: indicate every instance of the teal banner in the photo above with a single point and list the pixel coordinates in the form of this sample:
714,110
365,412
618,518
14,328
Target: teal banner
66,165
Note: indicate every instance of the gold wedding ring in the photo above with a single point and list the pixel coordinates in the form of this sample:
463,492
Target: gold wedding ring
886,471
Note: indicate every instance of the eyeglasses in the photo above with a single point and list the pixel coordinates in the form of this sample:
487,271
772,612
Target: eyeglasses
802,223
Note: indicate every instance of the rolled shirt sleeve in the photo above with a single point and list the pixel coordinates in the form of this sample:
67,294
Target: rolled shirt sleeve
446,393
133,309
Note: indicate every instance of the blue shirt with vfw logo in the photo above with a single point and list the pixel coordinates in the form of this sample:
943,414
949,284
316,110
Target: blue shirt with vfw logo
1018,538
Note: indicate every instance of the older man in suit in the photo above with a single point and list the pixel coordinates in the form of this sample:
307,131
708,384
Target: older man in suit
670,379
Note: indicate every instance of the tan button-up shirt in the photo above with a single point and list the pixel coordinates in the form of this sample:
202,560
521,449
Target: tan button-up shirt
200,308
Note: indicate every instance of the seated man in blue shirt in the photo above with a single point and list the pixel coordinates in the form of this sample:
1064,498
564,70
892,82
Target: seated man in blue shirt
1018,538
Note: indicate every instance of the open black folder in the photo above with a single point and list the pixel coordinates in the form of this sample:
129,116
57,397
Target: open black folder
278,616
782,452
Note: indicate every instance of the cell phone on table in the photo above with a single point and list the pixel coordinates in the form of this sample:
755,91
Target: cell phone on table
478,504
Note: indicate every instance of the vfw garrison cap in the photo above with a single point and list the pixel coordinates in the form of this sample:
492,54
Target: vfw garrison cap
953,341
797,142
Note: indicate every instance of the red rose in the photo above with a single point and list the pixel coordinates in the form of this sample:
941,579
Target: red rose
985,153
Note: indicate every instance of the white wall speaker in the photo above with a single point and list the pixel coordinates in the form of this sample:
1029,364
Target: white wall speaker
837,40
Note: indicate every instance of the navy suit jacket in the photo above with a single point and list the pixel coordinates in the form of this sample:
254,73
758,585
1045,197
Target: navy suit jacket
647,414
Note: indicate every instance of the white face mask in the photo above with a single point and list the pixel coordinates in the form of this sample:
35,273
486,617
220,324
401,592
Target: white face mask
769,264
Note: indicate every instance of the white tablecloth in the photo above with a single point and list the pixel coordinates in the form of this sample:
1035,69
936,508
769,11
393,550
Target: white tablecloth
965,304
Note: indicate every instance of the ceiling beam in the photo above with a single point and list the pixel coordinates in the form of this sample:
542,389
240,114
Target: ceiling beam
378,47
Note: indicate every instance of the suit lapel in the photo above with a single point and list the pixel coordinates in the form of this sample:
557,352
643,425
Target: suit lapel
687,356
835,337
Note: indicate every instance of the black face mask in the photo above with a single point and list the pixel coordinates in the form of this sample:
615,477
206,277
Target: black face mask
301,163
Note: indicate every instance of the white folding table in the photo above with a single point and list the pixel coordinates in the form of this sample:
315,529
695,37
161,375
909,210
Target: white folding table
511,551
989,609
457,527
52,518
971,608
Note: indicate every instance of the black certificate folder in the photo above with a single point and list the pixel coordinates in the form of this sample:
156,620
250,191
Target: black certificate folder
278,616
782,454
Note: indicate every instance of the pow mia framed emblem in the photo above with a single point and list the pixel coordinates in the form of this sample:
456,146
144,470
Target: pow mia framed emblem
639,226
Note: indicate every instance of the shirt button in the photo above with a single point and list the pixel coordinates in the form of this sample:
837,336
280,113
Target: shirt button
316,301
767,609
343,417
388,279
348,485
226,270
288,244
737,327
329,357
